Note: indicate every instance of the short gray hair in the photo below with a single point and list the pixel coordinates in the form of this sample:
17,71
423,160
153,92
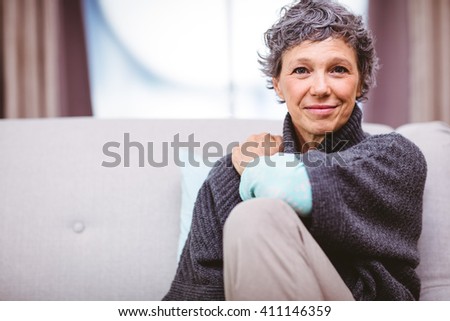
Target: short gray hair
315,21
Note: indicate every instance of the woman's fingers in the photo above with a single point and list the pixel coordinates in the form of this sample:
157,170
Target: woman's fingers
263,144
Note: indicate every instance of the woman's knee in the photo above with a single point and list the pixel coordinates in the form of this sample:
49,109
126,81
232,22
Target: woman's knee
258,215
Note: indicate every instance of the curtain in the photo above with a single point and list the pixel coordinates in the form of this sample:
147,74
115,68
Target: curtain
389,101
413,44
429,23
43,64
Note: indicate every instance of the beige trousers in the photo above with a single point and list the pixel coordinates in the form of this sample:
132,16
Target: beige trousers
270,255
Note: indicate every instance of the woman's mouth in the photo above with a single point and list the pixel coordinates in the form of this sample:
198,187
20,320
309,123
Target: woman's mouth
321,110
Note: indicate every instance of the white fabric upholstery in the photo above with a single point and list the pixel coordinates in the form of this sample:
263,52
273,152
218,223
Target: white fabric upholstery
434,140
72,229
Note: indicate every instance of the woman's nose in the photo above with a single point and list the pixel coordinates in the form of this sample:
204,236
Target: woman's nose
319,86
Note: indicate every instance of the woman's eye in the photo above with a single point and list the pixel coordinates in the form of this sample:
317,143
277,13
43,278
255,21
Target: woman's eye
340,70
300,70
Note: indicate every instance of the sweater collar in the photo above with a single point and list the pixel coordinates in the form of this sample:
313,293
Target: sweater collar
347,136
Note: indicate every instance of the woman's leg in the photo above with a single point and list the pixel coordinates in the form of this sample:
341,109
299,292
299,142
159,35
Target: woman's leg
270,255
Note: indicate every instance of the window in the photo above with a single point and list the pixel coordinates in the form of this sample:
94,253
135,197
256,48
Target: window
181,59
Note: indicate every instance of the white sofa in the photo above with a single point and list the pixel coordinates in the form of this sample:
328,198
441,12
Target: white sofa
72,229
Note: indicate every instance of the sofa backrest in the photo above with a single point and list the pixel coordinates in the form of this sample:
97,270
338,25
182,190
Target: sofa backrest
433,138
73,229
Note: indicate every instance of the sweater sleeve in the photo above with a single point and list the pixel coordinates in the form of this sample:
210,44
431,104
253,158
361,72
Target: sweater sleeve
199,275
367,208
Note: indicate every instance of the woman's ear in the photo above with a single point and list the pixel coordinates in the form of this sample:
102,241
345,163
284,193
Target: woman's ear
276,87
359,90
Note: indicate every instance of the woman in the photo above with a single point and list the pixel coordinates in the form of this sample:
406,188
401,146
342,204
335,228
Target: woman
337,215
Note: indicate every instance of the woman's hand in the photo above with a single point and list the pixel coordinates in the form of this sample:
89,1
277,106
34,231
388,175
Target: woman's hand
263,144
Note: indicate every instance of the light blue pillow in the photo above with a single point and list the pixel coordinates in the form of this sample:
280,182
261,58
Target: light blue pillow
192,178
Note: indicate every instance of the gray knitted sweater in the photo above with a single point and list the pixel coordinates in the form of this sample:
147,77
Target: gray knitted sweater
367,215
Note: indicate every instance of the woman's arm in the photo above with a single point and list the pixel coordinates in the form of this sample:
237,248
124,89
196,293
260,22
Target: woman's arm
367,213
199,273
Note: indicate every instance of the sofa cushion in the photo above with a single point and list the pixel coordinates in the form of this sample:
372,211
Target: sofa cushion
72,229
433,139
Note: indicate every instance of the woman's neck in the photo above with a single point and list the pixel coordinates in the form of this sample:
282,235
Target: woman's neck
308,141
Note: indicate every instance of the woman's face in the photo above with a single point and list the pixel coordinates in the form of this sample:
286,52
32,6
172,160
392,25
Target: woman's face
319,82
